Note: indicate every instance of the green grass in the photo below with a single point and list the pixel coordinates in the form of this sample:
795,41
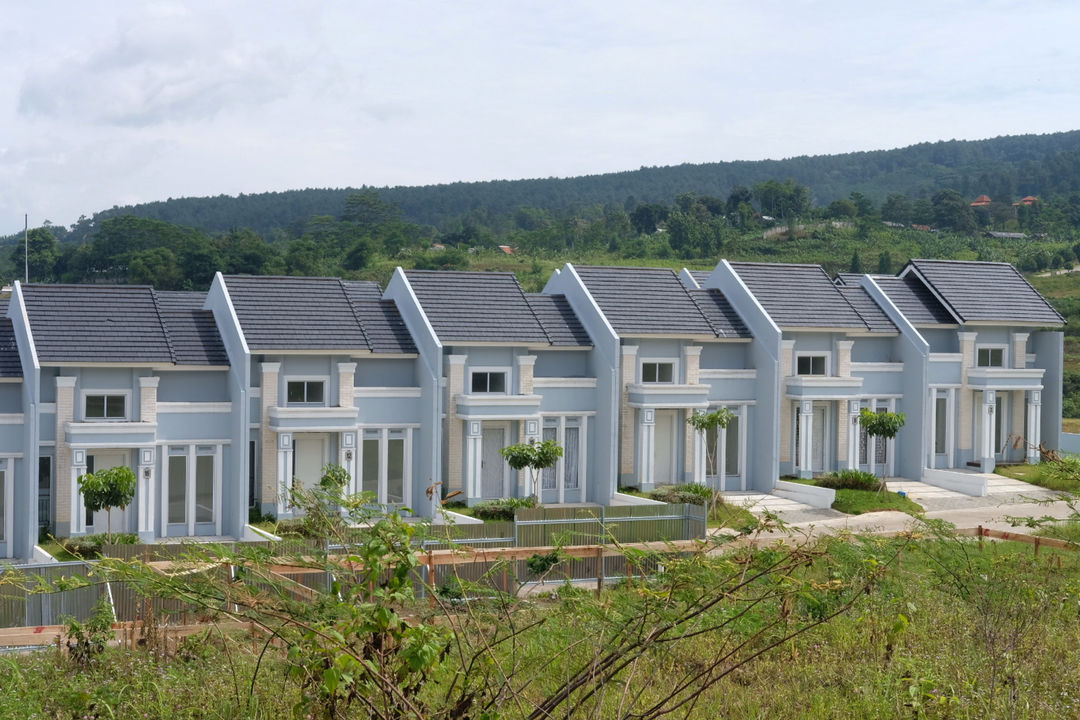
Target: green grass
857,502
728,515
1046,475
57,551
1067,531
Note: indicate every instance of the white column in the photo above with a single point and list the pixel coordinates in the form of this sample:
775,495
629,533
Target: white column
932,425
744,460
853,436
347,460
647,450
145,484
699,451
190,487
890,446
1034,410
950,427
473,459
78,510
217,489
532,434
284,472
9,505
987,441
806,432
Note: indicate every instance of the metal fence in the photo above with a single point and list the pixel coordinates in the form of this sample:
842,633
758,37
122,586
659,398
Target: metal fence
19,608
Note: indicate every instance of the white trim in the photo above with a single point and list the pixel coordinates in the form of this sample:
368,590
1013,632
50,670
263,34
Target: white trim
219,278
47,443
823,381
827,354
564,382
470,400
110,428
17,294
194,407
592,300
311,412
283,400
1003,347
11,418
668,388
391,426
877,367
84,392
727,374
366,391
506,370
946,357
416,304
47,408
568,413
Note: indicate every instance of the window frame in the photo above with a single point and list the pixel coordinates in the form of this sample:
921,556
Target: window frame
990,347
86,394
382,435
824,354
307,379
490,370
674,362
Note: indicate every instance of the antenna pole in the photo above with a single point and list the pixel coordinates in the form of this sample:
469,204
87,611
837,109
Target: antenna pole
26,248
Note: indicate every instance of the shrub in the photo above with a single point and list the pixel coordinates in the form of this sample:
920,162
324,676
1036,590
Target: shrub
849,480
501,509
89,546
685,493
256,516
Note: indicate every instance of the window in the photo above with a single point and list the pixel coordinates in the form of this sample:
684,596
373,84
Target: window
569,465
3,507
812,365
940,420
106,407
44,491
252,456
657,372
304,392
991,357
204,484
382,470
191,488
880,445
177,492
729,452
489,382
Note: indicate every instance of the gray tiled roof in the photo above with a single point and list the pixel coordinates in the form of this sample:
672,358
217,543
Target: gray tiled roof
192,332
386,331
848,278
644,301
700,276
295,313
96,323
718,311
914,300
799,295
10,367
986,291
558,320
476,306
868,309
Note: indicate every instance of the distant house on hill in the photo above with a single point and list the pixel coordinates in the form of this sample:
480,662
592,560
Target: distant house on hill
507,249
1006,235
1027,200
981,201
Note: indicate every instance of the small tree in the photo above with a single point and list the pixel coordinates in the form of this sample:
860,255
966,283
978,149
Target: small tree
334,479
880,425
534,457
108,489
705,423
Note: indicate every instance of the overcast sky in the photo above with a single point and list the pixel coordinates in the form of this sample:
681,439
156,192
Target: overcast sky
123,102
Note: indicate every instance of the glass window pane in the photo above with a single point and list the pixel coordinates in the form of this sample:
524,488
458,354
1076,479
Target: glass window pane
817,365
571,458
665,372
314,392
114,406
204,488
997,424
497,383
95,406
177,489
731,453
295,392
370,476
479,382
648,372
940,420
395,470
547,475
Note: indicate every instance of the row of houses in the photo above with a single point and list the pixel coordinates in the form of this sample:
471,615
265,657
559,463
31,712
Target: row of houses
221,401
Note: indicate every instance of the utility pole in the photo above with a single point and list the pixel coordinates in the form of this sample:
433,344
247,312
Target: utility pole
26,248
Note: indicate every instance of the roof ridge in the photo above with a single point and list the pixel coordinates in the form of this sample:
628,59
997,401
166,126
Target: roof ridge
356,316
164,327
850,304
694,299
532,311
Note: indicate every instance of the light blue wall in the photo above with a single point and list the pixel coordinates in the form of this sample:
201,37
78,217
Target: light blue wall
725,355
562,363
871,349
24,532
386,372
763,433
603,364
193,386
941,340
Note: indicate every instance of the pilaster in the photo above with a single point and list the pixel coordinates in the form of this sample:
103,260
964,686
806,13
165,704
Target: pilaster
268,438
646,448
987,449
627,375
148,386
806,433
525,365
1019,350
346,379
843,357
65,413
966,399
692,362
455,385
787,365
852,423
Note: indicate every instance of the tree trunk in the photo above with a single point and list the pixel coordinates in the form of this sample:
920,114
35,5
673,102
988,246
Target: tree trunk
108,524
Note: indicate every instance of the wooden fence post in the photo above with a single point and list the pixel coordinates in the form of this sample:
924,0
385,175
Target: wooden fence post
431,578
980,537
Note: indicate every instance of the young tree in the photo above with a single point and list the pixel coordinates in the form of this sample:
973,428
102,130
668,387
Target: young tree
883,426
108,489
704,423
534,457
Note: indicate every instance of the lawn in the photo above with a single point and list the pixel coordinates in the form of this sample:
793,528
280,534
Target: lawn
1063,476
857,502
728,515
57,551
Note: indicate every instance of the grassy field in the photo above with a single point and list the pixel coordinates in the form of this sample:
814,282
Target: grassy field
951,632
857,502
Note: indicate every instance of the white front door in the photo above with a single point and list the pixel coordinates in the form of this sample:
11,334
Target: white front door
664,447
99,523
493,467
311,451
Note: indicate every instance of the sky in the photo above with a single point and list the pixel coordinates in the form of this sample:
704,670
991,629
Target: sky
114,103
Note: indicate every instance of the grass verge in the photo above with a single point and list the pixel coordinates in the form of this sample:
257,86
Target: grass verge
857,502
1047,475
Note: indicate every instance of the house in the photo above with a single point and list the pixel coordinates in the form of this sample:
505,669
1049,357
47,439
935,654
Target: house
18,500
994,360
502,367
324,371
671,349
982,201
124,375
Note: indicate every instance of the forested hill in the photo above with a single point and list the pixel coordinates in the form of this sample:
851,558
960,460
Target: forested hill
1011,166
